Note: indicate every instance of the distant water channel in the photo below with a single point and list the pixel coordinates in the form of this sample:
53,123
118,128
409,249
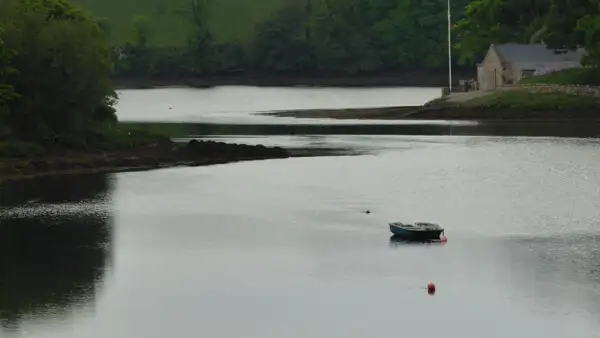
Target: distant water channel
239,111
282,248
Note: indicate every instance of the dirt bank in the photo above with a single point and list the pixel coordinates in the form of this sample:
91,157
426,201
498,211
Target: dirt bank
511,103
353,113
445,113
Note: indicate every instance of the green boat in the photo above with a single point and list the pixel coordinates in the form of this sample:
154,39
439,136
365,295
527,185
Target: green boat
418,231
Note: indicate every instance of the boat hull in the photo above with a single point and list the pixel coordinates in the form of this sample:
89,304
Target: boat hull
416,234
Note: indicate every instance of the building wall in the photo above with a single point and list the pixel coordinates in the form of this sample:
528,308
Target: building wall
516,68
489,72
492,73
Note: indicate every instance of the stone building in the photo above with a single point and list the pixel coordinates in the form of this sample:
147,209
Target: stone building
507,63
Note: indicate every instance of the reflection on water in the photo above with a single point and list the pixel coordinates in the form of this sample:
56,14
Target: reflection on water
283,248
554,129
51,261
397,241
52,189
557,275
577,254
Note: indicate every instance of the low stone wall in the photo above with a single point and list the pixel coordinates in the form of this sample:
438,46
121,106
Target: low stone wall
554,88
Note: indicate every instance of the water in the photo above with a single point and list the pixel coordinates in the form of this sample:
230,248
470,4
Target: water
240,104
282,248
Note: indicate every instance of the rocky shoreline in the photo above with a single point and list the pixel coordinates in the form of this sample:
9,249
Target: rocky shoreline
169,154
383,113
516,103
444,113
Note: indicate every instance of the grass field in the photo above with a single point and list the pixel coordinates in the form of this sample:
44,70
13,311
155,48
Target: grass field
230,20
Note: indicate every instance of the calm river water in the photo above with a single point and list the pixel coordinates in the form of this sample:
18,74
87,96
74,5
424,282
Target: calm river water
282,248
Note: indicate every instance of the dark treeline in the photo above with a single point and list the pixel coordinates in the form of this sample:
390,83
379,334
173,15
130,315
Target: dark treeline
352,37
308,37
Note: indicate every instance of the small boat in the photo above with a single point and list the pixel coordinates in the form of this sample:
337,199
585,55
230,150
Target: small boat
418,231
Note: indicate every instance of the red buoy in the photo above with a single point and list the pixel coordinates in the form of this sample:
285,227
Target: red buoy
430,288
444,239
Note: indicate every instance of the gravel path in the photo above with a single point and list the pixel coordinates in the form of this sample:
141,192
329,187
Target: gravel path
462,97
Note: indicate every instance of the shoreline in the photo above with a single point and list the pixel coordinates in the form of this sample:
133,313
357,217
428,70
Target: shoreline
515,103
191,154
400,79
443,113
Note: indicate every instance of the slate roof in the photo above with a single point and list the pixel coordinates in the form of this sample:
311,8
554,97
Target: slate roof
514,52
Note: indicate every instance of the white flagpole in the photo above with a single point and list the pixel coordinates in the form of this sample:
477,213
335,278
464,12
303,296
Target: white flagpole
449,49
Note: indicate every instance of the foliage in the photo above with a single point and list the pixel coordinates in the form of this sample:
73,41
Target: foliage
19,149
122,137
141,27
62,71
230,20
322,37
7,91
560,24
498,21
313,37
280,44
356,36
589,25
200,42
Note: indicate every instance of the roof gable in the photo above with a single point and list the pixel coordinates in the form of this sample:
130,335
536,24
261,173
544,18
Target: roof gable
491,51
514,52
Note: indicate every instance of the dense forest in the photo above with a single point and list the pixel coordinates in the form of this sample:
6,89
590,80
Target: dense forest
352,37
303,37
56,61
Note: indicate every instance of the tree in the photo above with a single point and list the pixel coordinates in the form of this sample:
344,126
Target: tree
562,20
342,36
590,26
200,41
64,68
354,36
104,25
280,44
7,92
498,21
574,24
141,29
560,24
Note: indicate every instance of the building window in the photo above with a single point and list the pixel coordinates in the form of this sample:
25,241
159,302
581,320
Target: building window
527,72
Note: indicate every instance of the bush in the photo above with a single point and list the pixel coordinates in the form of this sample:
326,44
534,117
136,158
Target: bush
61,70
125,138
16,149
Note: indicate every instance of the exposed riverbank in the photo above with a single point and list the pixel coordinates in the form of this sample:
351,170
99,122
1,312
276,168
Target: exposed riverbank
158,155
412,79
537,102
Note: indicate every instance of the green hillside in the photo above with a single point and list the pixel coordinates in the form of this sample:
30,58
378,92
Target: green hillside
229,20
